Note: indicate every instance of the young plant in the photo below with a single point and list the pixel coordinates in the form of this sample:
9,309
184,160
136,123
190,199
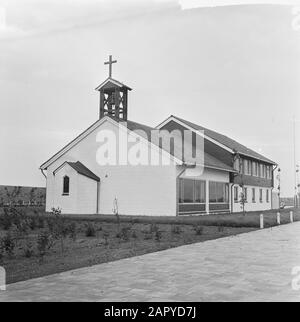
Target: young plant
72,231
90,230
59,230
220,229
158,235
124,234
28,250
44,243
176,230
8,244
198,230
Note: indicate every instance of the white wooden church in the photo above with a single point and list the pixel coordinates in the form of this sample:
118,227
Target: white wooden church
82,179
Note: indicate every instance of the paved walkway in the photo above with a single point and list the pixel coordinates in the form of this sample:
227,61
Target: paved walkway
255,266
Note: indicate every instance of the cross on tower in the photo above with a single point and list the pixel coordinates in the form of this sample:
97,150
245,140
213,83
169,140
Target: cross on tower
110,62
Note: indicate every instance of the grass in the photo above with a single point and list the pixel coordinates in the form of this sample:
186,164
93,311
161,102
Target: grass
98,239
250,219
106,246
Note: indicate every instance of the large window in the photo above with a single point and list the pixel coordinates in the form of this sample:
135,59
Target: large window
268,170
254,168
191,191
246,194
218,192
199,191
253,194
66,185
247,167
236,194
260,195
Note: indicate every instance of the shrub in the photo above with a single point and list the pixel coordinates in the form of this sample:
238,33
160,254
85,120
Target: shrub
90,230
153,228
44,243
147,235
158,235
220,229
8,244
1,249
50,223
176,230
198,229
11,216
124,233
32,223
106,236
72,229
56,212
134,235
23,226
41,222
28,250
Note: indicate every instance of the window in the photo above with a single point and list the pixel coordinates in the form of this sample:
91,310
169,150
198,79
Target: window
246,194
258,169
245,166
199,191
267,195
250,168
269,176
260,195
66,185
263,171
255,169
191,191
188,191
253,194
218,192
236,194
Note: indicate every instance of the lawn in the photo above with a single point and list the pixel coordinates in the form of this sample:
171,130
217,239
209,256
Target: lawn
90,240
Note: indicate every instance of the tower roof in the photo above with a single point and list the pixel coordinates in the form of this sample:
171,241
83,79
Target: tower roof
112,83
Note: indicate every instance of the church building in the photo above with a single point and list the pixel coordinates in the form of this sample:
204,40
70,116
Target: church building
112,167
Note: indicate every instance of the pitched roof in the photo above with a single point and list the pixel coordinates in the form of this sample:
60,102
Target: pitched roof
114,81
83,170
225,140
209,160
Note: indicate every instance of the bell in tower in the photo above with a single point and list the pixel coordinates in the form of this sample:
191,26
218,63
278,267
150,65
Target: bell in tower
113,96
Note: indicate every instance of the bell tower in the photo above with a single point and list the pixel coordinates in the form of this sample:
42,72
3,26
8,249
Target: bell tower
113,96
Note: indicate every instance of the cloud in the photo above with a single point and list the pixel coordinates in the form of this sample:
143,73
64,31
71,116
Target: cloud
5,29
43,16
189,4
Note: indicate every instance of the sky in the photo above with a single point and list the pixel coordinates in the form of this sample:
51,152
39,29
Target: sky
231,68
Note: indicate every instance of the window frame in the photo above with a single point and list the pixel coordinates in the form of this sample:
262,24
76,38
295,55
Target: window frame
236,194
181,191
225,188
260,195
66,192
253,195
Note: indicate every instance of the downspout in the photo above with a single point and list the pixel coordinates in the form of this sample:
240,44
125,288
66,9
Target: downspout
98,190
231,198
177,188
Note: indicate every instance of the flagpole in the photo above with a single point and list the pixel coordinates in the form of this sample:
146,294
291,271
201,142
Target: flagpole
295,168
